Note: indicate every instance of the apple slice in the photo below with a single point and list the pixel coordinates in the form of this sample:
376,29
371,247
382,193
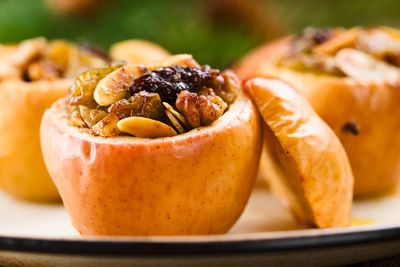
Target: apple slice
311,169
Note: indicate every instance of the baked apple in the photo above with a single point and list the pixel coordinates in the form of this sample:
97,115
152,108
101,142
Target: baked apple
165,149
351,77
309,168
138,52
33,75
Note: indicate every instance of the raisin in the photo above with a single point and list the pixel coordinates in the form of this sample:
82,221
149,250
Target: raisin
168,82
82,90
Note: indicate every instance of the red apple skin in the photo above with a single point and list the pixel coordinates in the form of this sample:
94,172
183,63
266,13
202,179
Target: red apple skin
192,184
374,151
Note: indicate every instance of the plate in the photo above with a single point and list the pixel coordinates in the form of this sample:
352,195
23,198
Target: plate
41,234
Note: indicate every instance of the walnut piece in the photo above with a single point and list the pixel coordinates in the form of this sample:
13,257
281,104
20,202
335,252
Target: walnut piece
200,110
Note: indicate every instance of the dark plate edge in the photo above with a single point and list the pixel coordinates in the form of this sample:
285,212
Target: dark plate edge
180,248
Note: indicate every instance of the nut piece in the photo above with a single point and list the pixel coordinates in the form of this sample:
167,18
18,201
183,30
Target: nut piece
183,60
107,127
145,127
360,65
113,86
200,110
174,121
178,115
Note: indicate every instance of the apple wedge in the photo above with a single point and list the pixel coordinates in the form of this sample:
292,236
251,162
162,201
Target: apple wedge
359,102
311,171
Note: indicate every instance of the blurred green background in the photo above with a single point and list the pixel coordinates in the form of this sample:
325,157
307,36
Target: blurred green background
216,32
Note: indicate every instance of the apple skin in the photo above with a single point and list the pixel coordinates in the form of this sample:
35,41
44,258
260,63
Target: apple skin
373,152
191,184
22,170
308,166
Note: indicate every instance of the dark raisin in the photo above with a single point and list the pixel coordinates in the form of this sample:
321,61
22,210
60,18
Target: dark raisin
168,82
351,127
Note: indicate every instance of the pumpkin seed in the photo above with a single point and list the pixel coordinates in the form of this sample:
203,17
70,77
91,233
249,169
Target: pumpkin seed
179,116
145,127
174,121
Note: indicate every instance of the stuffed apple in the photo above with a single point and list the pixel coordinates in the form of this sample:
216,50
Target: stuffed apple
351,77
164,149
33,74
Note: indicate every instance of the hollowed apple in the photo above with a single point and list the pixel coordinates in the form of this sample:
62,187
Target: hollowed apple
194,183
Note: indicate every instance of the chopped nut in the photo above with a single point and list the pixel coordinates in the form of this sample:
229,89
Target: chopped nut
107,127
206,91
145,127
200,110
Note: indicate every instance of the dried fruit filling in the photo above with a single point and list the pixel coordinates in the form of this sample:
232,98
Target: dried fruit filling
130,99
368,54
